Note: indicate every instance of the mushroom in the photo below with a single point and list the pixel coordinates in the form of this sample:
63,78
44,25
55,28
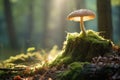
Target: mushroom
81,15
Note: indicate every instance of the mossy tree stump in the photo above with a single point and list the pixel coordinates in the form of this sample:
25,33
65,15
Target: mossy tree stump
84,48
78,47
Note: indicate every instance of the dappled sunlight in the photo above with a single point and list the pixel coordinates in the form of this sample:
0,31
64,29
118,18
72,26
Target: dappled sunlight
33,62
37,42
31,59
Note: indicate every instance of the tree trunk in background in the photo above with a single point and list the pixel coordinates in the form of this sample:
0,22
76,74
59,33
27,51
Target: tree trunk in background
80,4
119,22
104,18
62,23
10,25
46,6
116,23
30,24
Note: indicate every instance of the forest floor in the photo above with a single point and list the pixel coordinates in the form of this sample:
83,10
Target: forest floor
101,61
32,72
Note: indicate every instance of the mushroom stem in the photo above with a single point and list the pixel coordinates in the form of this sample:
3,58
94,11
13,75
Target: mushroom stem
82,26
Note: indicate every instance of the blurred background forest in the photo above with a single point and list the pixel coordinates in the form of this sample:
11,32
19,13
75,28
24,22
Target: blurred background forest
42,23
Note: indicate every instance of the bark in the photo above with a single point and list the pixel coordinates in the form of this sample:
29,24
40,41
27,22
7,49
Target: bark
46,5
10,25
30,24
104,18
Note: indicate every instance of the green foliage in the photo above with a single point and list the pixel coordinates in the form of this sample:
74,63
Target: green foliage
74,71
115,2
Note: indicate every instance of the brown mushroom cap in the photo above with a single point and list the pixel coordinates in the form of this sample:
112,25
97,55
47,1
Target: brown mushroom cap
85,13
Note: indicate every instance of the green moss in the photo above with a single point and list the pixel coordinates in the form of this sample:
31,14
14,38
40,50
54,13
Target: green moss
61,60
74,71
85,47
24,58
78,47
77,65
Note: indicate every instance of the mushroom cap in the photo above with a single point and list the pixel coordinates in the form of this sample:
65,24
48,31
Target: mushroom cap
85,13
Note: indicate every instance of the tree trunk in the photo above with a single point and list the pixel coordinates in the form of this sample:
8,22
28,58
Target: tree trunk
46,5
62,24
104,18
10,25
30,24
